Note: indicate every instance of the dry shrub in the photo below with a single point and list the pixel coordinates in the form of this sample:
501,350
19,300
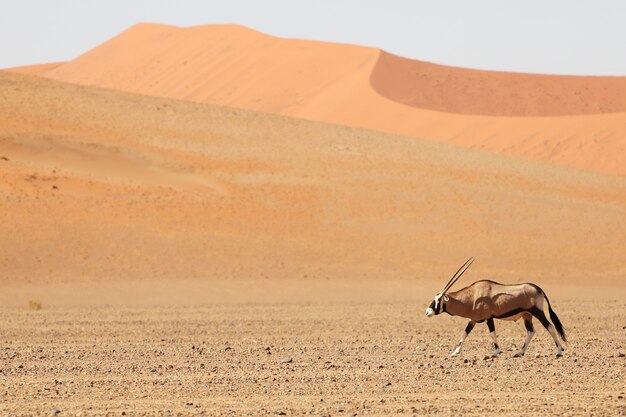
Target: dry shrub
34,304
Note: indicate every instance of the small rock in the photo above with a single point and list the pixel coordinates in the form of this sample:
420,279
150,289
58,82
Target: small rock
153,370
55,412
387,384
621,355
280,413
286,360
465,360
486,358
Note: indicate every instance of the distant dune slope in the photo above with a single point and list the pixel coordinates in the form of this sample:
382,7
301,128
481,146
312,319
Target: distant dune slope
99,185
460,90
576,121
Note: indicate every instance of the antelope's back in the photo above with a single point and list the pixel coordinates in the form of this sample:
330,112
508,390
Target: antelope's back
501,300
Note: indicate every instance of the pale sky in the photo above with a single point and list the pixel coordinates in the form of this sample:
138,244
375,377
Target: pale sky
542,36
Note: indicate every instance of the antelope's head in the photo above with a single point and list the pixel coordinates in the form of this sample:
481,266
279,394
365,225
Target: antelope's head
436,306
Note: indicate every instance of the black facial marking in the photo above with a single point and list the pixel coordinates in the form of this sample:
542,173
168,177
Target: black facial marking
438,309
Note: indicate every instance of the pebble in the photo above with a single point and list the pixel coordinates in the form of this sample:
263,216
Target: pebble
55,412
286,360
621,355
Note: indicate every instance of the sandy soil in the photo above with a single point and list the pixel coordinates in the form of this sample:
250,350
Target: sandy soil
305,359
569,120
99,185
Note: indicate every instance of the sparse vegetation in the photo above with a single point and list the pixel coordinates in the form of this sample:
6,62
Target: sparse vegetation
35,304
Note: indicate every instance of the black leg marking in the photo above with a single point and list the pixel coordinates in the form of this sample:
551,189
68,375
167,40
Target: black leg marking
469,327
491,325
529,325
540,315
495,345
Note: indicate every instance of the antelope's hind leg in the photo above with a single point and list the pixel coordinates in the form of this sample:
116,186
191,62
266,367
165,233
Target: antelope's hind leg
468,329
541,316
492,332
530,332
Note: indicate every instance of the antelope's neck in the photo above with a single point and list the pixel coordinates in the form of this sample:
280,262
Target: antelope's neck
456,306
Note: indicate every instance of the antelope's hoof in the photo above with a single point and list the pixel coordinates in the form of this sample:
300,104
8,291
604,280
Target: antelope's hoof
559,355
495,355
518,355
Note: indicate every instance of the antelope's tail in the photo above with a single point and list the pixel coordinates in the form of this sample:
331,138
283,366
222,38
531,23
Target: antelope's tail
555,319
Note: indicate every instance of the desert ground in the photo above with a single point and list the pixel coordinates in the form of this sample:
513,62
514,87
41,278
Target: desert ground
337,359
220,246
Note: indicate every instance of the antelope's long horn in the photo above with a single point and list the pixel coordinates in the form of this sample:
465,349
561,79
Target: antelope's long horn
457,275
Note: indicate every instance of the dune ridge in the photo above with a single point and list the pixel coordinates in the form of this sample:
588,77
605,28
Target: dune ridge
493,93
567,120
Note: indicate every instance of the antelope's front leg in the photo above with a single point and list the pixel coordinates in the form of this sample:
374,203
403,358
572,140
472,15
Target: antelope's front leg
467,331
492,332
530,332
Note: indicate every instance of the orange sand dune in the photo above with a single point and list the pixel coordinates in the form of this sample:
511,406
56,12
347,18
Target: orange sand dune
38,69
459,90
569,120
101,186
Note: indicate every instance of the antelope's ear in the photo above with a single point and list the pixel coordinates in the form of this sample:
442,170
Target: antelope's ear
446,298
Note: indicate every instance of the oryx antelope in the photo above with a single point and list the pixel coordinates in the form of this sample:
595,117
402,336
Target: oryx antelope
488,300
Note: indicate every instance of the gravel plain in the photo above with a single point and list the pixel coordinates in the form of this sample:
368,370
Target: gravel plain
303,359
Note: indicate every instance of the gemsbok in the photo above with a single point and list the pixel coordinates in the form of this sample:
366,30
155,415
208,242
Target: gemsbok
488,300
